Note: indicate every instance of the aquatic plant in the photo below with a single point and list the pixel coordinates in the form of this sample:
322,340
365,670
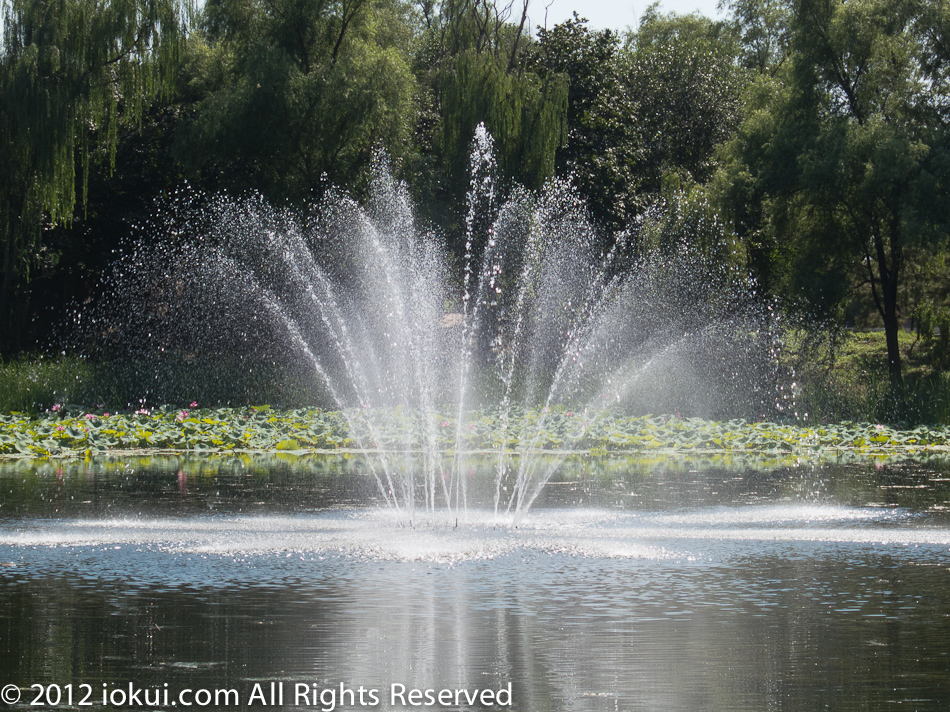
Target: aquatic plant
69,431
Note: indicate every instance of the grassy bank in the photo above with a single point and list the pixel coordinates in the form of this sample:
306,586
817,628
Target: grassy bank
834,382
35,385
848,380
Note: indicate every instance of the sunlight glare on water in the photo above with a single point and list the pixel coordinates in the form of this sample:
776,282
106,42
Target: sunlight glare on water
445,537
666,590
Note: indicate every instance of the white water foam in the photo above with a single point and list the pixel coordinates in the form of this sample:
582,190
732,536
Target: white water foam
441,537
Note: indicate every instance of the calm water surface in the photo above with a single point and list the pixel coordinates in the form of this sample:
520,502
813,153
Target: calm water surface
631,586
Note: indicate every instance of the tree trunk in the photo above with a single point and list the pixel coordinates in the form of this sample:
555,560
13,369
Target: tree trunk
891,330
888,276
7,321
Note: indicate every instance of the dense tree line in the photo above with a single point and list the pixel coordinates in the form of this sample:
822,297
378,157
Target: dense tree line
838,176
808,137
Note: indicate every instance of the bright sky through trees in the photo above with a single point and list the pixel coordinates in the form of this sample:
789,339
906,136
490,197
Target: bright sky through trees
613,14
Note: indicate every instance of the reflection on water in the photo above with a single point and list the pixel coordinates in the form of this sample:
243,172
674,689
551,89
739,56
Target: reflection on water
632,586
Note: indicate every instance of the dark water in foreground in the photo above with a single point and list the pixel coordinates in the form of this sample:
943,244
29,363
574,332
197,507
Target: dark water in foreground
632,585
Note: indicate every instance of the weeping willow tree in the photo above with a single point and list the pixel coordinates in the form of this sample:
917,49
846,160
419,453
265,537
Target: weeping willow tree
311,88
472,62
524,113
71,73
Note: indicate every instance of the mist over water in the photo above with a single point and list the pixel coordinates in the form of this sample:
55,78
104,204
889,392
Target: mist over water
372,313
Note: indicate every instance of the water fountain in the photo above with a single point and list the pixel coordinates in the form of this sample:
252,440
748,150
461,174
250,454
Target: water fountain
536,322
634,584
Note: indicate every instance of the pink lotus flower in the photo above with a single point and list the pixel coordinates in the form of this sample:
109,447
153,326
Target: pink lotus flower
141,411
56,407
194,404
444,424
181,416
89,416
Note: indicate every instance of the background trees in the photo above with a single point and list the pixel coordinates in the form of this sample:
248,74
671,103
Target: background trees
300,92
596,152
685,83
72,73
644,109
841,165
816,128
473,62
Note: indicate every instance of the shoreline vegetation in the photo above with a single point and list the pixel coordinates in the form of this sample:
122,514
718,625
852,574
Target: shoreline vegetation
66,407
67,432
835,377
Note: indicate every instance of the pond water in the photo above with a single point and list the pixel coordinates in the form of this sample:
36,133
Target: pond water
153,583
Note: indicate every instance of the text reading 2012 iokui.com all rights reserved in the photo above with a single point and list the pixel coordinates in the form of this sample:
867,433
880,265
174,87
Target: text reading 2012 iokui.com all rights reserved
262,694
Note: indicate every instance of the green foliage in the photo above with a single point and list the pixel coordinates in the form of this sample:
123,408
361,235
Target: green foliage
66,431
70,431
844,377
927,299
30,386
69,68
299,93
687,220
764,32
683,79
472,64
70,73
846,153
597,154
26,386
636,114
933,328
524,114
